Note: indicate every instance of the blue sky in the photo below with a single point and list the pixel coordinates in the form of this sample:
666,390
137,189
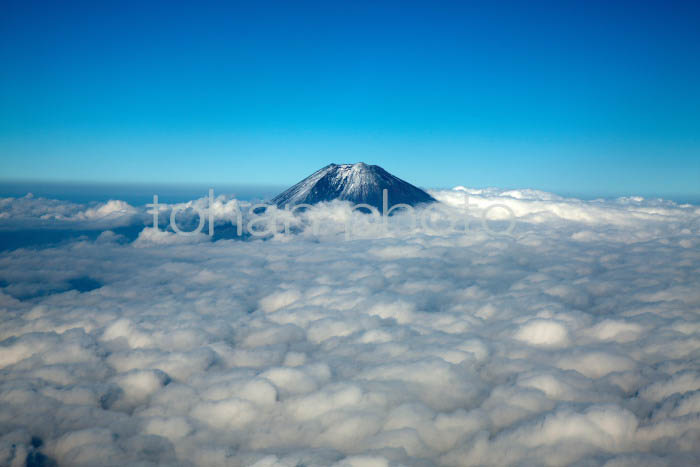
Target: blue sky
588,98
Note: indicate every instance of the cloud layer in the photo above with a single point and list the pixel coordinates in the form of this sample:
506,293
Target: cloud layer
573,341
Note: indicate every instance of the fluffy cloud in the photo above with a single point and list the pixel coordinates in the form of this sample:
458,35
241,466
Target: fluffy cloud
32,212
573,340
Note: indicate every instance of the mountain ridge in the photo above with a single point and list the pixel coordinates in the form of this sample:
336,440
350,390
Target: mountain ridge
358,183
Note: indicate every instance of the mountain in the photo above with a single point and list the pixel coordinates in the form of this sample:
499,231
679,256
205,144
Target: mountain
357,183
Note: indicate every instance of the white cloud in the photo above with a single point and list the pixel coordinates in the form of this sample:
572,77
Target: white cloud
32,212
573,341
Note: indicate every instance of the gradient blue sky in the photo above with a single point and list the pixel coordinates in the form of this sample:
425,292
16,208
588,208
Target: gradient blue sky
588,98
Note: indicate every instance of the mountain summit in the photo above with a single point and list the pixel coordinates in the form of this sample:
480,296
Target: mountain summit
357,183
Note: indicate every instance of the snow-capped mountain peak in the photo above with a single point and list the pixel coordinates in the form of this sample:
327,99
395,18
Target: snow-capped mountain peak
357,183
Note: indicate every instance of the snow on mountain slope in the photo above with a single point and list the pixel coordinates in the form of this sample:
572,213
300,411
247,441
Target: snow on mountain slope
357,183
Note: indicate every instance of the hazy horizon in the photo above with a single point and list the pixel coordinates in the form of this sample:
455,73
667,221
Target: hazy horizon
142,192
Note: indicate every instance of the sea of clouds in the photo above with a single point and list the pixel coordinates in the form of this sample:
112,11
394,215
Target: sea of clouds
573,340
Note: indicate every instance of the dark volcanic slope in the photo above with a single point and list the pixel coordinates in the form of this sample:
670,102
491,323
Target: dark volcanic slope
357,183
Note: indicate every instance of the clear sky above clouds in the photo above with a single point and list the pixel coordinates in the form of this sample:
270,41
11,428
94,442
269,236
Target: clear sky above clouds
588,97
